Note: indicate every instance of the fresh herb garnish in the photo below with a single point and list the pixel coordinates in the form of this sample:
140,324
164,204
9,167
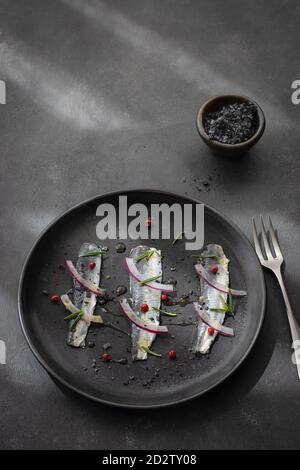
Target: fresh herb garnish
72,315
204,256
114,327
164,312
92,253
147,255
80,314
148,351
178,237
227,306
220,310
150,279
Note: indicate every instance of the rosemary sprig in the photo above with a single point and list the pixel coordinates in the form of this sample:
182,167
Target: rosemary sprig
147,255
149,279
227,306
219,310
92,253
80,314
148,351
164,312
114,327
178,237
143,256
72,315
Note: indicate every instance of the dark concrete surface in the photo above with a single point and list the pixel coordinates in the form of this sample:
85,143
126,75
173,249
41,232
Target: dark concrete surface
104,93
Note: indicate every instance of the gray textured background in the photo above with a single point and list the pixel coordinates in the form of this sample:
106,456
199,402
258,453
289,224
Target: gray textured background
102,95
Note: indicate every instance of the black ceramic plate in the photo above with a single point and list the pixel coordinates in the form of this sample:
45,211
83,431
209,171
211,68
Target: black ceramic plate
158,381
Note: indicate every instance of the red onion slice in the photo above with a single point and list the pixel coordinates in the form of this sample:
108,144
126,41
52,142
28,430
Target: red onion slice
134,272
213,283
83,282
221,329
133,318
69,304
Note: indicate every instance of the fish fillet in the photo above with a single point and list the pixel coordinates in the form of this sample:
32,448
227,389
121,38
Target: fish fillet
82,299
211,298
145,295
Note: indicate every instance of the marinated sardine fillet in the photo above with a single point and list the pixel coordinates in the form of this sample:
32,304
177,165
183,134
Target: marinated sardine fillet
148,267
211,297
82,299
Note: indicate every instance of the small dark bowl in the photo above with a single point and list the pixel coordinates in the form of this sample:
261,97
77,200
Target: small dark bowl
212,105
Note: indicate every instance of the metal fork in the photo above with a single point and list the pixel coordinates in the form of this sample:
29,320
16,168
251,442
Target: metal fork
270,255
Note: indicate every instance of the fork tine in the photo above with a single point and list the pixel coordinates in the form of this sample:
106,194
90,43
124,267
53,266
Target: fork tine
265,239
256,241
274,239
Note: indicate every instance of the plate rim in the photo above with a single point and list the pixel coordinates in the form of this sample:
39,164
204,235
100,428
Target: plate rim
61,380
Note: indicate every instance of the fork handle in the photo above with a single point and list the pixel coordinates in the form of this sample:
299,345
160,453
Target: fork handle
294,327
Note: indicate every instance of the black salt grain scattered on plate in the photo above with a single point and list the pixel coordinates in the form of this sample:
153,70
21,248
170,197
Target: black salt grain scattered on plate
121,290
231,123
122,361
120,247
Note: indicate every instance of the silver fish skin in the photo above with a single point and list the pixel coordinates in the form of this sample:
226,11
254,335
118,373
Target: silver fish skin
82,299
144,295
211,298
